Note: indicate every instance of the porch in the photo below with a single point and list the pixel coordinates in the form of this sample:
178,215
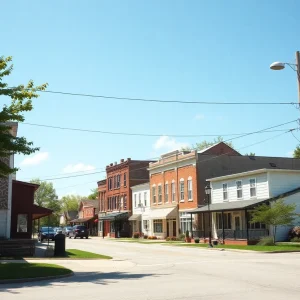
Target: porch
229,223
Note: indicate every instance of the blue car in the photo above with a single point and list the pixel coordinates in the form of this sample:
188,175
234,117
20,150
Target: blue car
46,233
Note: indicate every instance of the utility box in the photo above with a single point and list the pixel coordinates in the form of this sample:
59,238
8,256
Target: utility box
60,245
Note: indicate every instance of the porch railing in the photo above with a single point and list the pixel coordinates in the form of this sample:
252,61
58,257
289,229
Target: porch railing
253,234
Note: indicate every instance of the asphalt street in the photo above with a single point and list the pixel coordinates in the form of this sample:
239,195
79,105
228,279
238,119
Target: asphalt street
160,272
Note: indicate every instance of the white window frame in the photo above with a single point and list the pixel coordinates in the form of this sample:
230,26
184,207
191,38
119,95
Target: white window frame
239,189
160,222
253,187
173,191
225,191
166,192
159,193
135,200
190,188
181,189
145,199
154,194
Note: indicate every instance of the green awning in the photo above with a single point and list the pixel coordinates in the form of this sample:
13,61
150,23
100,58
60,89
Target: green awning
115,216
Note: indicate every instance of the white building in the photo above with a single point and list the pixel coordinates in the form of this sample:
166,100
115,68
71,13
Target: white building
6,191
141,209
234,196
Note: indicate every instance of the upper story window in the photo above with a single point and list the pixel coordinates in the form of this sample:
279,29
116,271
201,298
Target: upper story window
134,200
118,181
239,189
115,181
166,192
159,194
154,194
140,199
252,187
181,189
125,179
125,202
145,199
190,188
225,191
173,191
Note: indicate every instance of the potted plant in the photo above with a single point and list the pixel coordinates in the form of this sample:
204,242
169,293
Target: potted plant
197,240
187,237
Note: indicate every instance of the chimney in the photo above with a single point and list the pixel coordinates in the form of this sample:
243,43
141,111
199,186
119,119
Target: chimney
122,160
128,158
116,163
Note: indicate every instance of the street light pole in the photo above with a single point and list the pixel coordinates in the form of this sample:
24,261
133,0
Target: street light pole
208,194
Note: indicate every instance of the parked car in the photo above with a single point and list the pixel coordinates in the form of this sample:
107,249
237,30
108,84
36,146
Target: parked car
66,230
58,230
46,233
79,231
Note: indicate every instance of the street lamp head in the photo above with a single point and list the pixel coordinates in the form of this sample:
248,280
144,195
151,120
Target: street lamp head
207,188
277,65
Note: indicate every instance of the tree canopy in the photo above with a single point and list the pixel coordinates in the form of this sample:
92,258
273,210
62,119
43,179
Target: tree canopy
278,213
21,101
296,153
70,202
94,194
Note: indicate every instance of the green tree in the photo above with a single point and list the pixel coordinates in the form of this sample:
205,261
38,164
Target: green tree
70,202
94,194
296,153
205,144
250,154
21,96
276,214
46,196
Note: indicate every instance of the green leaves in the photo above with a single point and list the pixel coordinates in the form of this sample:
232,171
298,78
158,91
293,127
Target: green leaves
296,153
21,96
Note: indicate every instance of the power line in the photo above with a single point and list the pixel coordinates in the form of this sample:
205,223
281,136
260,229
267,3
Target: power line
139,134
294,136
166,101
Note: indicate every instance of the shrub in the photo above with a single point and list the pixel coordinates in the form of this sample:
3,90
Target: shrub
168,238
136,235
266,241
152,237
182,237
187,234
294,232
197,240
174,238
295,240
145,236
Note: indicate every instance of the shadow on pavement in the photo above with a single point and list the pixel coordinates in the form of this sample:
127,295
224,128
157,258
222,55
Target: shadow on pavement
79,277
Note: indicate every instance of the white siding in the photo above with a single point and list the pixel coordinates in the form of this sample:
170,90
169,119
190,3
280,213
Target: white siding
3,223
282,231
283,182
262,191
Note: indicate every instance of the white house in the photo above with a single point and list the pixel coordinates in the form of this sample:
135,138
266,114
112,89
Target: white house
141,209
234,196
6,191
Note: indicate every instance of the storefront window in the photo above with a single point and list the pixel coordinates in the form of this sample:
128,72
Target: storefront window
22,225
158,226
185,221
112,227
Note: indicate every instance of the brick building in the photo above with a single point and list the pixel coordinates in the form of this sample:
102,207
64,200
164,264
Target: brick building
116,199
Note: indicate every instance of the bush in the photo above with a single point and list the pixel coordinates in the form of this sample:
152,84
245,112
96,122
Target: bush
197,240
152,237
136,235
172,238
187,234
182,237
295,240
145,236
294,232
266,241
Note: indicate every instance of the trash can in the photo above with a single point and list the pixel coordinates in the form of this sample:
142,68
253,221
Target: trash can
59,244
215,243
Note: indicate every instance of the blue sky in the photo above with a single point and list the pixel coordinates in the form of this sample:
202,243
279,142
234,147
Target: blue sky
170,50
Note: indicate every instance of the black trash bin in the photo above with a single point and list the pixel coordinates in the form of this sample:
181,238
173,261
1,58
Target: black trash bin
59,244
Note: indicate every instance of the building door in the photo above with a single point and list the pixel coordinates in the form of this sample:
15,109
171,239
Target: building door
237,222
168,228
174,228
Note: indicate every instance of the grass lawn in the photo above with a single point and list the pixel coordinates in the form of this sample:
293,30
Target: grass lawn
75,253
25,270
278,247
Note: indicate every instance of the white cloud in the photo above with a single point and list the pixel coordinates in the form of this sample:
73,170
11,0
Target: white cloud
290,153
199,117
35,159
168,144
80,167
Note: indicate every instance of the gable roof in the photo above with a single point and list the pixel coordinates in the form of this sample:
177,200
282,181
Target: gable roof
88,202
228,150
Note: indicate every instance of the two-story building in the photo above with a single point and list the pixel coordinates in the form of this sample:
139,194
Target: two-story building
234,196
141,209
102,204
120,177
88,215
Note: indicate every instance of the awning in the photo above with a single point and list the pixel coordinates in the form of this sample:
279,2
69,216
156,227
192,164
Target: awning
115,216
225,206
82,220
135,218
40,212
163,213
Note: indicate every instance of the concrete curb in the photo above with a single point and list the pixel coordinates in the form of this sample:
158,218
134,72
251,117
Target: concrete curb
24,280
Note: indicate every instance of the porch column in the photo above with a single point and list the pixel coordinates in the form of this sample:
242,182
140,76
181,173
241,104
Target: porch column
191,227
247,225
223,230
203,217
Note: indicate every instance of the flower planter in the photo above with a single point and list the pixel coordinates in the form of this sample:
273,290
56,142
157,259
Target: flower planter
188,240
